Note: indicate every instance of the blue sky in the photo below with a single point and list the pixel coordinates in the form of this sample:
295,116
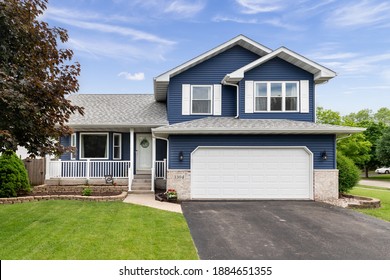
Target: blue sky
121,45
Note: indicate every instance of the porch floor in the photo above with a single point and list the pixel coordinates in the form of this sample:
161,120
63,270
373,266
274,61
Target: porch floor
148,199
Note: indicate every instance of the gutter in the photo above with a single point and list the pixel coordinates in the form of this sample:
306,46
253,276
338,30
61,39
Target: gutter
237,94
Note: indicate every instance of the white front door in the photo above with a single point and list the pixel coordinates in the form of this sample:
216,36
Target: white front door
144,154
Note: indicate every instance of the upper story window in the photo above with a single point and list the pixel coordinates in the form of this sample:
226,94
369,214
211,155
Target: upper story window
201,99
276,97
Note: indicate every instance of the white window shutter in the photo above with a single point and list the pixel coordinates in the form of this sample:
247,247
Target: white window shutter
217,100
185,99
249,97
305,96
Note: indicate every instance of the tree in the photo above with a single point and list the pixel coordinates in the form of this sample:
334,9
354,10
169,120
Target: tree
383,148
356,147
354,119
383,115
327,116
373,133
35,78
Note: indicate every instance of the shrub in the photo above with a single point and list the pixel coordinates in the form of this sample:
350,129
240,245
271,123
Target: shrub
13,175
87,192
349,174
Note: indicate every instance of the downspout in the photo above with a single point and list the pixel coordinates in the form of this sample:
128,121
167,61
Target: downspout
237,96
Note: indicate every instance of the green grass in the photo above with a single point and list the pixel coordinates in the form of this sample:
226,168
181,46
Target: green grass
375,192
373,176
76,230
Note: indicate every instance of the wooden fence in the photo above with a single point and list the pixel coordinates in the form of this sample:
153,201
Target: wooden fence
36,171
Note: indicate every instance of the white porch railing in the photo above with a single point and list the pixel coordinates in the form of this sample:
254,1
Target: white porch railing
88,169
161,167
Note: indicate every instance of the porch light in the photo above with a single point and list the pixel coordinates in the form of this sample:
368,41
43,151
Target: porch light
181,156
324,156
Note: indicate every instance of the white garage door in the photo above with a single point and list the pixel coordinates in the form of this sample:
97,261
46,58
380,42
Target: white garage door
251,173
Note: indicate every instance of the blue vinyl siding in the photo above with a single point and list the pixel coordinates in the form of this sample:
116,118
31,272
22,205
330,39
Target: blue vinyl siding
125,146
316,144
278,70
209,72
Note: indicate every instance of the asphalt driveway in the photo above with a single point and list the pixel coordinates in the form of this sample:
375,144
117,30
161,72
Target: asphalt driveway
284,230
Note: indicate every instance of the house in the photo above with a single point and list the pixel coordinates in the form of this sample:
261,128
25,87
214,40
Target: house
236,122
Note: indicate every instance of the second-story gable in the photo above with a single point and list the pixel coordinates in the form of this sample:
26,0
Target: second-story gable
277,89
242,79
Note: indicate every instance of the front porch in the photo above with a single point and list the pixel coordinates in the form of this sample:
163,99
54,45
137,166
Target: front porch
95,172
120,153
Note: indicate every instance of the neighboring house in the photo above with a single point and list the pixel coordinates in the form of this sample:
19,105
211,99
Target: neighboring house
237,122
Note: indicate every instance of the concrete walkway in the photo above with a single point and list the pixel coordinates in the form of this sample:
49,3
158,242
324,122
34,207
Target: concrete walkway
147,199
375,183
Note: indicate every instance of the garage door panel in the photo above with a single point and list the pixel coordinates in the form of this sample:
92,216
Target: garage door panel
250,173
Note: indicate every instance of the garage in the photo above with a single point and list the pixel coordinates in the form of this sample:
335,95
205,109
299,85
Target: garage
251,173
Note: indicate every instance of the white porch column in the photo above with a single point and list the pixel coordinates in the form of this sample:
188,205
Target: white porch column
153,160
131,170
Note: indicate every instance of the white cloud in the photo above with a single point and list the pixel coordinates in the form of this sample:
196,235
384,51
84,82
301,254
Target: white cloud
132,77
184,8
259,6
274,22
362,13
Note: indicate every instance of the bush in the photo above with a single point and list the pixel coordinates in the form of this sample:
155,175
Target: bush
349,174
87,192
13,175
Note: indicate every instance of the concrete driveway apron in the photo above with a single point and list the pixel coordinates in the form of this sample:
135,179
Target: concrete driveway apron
284,230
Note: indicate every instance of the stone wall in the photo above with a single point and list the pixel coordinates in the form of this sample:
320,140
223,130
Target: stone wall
180,180
326,184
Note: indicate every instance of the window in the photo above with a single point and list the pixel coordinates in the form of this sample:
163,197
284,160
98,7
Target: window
276,97
73,144
201,97
94,145
117,146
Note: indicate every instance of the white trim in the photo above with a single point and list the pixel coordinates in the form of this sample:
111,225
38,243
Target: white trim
211,100
321,73
120,146
306,149
94,133
249,99
268,83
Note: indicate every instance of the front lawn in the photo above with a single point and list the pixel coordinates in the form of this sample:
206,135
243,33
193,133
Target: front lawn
76,230
381,193
374,176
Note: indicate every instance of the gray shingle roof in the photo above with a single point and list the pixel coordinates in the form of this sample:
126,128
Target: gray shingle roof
230,125
118,110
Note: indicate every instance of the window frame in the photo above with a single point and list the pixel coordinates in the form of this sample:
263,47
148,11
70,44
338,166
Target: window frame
119,146
211,100
94,133
268,83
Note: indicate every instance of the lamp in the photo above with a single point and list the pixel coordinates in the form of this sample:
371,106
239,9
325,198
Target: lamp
181,156
324,156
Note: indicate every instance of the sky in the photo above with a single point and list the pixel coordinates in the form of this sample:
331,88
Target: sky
122,44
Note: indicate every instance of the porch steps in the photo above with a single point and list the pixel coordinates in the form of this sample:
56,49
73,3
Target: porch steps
141,184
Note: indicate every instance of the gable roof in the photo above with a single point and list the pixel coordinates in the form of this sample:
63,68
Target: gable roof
321,73
231,125
161,82
117,110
